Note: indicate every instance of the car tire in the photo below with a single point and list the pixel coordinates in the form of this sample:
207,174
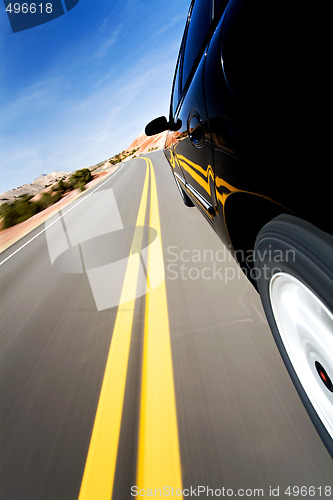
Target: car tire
294,273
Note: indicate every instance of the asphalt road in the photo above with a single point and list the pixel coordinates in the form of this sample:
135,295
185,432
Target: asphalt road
104,388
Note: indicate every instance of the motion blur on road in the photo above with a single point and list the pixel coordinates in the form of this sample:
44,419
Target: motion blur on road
106,389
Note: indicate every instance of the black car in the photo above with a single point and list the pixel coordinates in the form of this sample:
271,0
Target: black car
247,145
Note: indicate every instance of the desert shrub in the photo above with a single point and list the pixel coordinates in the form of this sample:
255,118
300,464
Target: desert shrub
80,178
45,201
18,211
62,187
57,196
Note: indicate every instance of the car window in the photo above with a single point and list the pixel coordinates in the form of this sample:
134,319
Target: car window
219,7
176,89
198,26
245,53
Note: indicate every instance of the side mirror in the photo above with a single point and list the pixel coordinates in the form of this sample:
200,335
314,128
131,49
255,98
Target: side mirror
161,124
175,126
156,126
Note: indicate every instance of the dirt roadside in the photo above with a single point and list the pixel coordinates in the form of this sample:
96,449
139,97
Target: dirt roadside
13,234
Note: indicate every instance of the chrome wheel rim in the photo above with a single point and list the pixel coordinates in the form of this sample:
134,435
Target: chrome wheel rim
306,329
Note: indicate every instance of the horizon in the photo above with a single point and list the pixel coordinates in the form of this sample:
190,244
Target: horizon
45,174
79,89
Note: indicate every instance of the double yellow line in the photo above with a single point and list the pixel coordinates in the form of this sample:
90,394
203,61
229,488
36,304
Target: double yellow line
158,461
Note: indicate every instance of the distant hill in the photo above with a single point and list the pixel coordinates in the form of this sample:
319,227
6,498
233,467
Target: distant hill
141,145
42,182
145,143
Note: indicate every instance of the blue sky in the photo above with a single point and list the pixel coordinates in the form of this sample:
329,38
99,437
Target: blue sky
80,88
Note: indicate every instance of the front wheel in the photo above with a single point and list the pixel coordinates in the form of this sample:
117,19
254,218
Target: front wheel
294,271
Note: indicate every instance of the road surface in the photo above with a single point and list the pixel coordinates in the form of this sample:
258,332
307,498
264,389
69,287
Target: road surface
108,391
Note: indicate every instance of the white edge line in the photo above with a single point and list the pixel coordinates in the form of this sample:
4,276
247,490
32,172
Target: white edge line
43,230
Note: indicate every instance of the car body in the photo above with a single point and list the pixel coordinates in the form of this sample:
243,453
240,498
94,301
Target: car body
247,145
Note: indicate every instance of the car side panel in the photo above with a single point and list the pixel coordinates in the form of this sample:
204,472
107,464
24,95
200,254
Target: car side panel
259,119
196,161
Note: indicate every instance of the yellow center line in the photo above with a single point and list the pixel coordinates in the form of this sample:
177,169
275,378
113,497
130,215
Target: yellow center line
99,472
158,462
